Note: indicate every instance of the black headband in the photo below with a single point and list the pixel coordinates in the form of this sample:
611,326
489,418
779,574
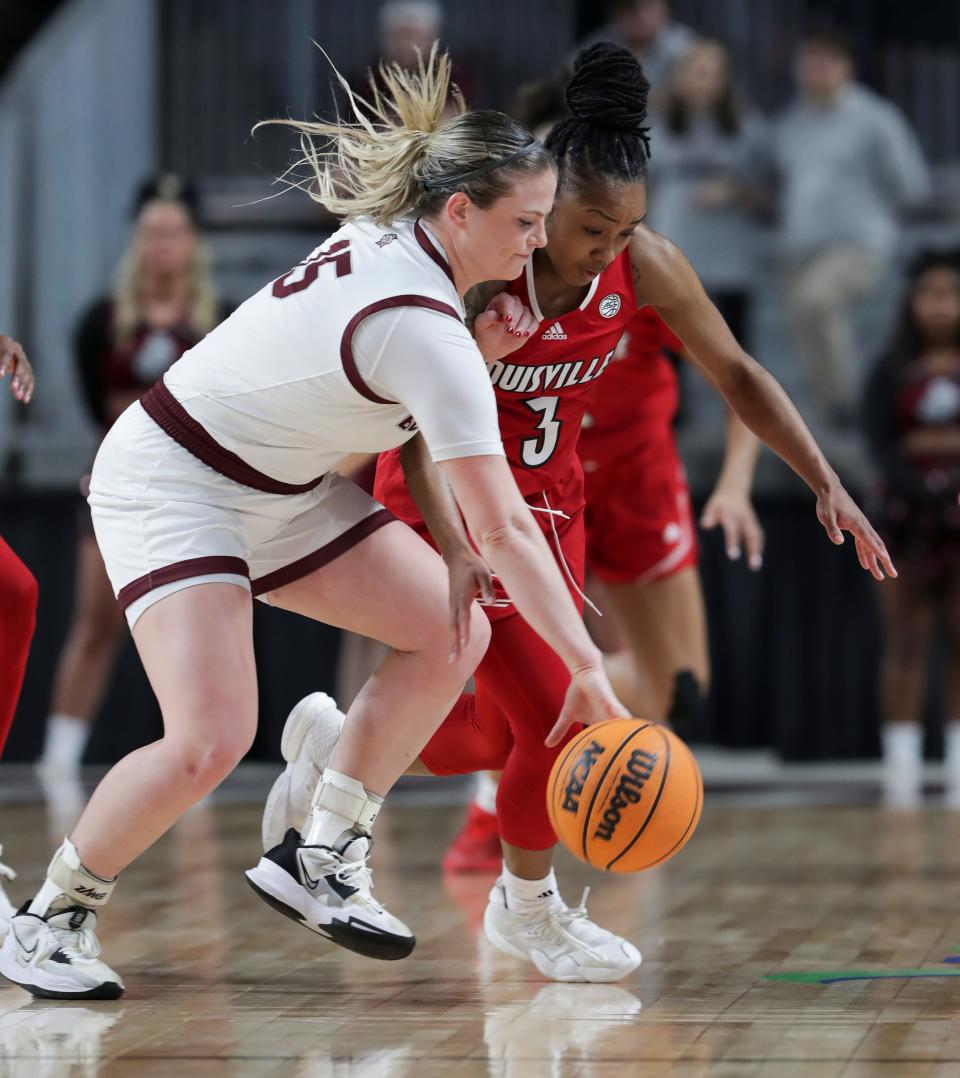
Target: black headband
480,170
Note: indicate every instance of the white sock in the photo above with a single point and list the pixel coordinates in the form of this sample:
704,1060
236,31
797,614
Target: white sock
324,827
529,896
903,746
65,741
485,797
951,748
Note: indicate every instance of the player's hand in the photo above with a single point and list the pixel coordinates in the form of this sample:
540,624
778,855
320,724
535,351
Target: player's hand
469,577
839,513
503,326
13,361
733,512
589,700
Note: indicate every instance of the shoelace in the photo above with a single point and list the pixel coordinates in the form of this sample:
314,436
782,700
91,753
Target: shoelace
5,870
74,942
358,874
554,924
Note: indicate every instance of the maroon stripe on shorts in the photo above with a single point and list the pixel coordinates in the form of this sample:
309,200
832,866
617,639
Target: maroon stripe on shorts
423,238
180,570
302,567
173,419
346,342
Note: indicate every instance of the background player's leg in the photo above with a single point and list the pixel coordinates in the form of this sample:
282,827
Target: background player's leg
908,617
96,632
664,627
18,612
18,609
950,620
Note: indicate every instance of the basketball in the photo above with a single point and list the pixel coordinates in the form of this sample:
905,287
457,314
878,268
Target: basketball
625,795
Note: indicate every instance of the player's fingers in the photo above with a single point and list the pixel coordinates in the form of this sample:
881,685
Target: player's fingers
484,583
455,630
754,540
832,528
485,320
708,518
731,535
559,728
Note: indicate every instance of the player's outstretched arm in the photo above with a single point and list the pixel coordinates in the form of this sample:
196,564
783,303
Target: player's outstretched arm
664,278
13,361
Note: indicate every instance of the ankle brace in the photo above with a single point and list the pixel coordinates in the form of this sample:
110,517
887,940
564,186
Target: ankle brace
69,881
360,810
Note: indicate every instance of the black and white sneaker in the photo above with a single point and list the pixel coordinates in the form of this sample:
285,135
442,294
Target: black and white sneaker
56,956
329,890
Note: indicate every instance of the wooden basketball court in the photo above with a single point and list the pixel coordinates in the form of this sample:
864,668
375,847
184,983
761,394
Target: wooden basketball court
805,931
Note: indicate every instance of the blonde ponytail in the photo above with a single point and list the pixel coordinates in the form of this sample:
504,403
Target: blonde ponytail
392,160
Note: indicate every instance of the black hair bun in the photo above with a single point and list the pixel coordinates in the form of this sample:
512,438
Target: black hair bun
608,88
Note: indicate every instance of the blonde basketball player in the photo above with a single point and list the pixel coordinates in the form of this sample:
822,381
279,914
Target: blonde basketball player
217,487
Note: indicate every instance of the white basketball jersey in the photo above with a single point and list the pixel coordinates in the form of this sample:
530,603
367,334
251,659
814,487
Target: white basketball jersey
351,351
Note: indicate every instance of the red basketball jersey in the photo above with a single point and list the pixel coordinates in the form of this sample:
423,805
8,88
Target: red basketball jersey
638,395
544,388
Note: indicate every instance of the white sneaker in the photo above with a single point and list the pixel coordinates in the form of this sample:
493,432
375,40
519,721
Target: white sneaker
56,956
310,735
563,943
329,890
7,909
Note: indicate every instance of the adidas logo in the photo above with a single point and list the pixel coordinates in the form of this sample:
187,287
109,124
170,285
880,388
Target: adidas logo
554,333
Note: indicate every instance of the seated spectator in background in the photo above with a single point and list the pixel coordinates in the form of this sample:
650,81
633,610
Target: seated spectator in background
710,157
408,29
848,163
162,303
912,413
647,29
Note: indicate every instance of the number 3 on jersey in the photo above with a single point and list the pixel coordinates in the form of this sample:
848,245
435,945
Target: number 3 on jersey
304,274
535,452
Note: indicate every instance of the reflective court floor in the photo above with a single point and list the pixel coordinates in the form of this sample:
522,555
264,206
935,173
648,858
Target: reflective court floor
806,930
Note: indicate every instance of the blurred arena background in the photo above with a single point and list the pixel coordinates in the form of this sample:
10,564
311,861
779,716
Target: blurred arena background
96,95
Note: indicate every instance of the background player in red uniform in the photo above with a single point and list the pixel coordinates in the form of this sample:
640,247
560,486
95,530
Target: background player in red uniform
18,597
913,424
600,263
641,535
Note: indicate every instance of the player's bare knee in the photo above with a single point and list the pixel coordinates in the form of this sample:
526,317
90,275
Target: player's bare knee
207,757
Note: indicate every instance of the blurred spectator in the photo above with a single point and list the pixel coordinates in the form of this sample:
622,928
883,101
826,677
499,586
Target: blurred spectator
162,303
912,413
647,29
710,155
408,29
848,164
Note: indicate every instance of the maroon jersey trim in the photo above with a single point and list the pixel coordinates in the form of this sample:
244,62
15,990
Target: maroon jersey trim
180,570
302,567
173,419
346,342
427,244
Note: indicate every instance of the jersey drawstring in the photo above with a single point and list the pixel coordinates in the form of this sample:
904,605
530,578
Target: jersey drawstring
553,514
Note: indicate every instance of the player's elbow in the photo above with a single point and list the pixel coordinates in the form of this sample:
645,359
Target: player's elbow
505,535
739,376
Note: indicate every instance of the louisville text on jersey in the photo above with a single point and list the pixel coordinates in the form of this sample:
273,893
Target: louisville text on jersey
519,378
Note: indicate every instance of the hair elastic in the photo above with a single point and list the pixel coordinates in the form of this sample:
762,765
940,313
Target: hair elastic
480,170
